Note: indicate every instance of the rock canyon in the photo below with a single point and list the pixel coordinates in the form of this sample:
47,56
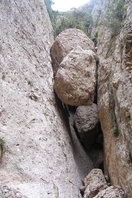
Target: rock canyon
65,103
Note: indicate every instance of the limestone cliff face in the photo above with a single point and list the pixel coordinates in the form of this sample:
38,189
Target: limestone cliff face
115,94
38,159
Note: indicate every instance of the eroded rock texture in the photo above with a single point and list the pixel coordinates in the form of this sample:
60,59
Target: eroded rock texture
38,160
95,186
75,79
67,41
111,192
115,96
74,65
94,183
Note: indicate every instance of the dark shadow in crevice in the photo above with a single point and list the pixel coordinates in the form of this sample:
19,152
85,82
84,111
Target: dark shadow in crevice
86,159
95,150
82,159
96,87
63,112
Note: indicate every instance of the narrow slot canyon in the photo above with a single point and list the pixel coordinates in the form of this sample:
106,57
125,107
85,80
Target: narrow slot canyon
88,154
65,100
76,72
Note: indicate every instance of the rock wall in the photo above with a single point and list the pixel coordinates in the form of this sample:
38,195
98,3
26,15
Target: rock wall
114,93
37,159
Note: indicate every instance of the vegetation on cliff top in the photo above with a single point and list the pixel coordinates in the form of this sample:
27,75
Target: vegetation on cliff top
75,18
81,18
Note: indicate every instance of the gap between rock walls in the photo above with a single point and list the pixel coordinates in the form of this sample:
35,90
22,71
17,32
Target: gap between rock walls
82,122
82,153
75,67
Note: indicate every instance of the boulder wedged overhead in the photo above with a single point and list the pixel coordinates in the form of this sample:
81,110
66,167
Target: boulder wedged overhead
86,122
67,41
74,67
75,80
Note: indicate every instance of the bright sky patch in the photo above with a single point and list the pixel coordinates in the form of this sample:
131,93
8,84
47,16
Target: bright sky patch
65,5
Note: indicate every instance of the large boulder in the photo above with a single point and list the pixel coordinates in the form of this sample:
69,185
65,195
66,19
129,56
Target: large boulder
95,186
94,183
67,41
74,66
75,79
87,124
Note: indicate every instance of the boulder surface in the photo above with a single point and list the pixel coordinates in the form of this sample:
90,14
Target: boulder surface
67,41
95,186
75,79
74,67
94,183
111,192
86,122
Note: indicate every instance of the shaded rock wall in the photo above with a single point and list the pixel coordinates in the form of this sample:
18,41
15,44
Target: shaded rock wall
114,94
38,159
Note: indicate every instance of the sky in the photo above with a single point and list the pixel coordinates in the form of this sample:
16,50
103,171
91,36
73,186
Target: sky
65,5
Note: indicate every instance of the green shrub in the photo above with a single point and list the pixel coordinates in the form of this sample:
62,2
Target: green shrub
116,132
73,19
2,143
95,38
51,13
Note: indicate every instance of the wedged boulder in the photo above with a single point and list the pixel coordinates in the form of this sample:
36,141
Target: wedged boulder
75,79
68,40
95,186
94,183
86,122
111,192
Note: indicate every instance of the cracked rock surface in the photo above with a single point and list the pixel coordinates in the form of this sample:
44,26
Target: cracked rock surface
115,94
95,186
38,160
74,66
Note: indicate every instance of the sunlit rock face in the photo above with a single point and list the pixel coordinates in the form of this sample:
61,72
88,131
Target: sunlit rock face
37,160
114,96
74,66
67,41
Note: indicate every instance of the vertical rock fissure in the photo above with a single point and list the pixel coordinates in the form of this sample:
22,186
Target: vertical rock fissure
75,68
86,159
82,159
96,87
